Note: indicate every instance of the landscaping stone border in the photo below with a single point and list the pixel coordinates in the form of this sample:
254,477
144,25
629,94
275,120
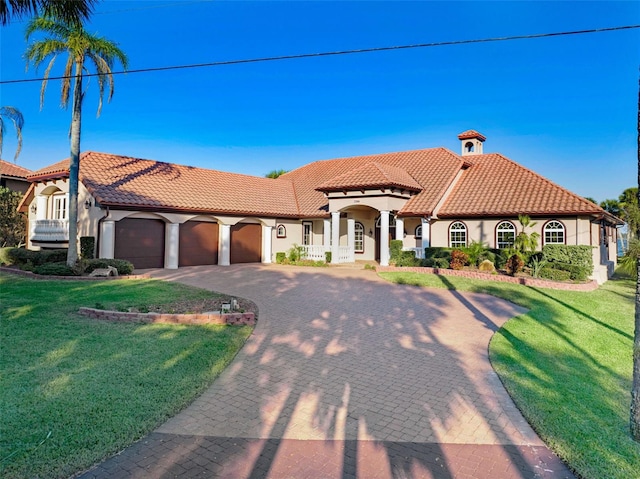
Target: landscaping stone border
533,282
232,319
32,275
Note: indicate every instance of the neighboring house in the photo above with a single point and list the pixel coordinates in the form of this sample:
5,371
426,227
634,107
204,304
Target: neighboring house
165,215
14,177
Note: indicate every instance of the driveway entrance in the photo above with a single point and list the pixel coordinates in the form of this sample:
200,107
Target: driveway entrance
347,375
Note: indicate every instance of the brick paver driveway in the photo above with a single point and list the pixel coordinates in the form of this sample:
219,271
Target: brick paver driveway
347,375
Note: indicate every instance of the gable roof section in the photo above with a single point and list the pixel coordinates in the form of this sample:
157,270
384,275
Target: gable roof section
470,134
432,169
372,175
145,184
12,170
498,186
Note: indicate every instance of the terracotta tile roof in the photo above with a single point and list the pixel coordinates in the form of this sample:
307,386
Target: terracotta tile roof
57,170
432,169
498,186
132,182
13,170
466,135
372,175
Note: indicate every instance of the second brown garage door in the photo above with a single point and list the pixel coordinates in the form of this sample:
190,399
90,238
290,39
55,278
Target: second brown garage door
246,243
198,243
141,242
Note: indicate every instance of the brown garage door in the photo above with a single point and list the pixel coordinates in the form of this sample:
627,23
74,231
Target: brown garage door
141,242
246,243
198,243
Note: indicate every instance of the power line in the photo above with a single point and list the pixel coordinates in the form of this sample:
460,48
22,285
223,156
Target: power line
341,52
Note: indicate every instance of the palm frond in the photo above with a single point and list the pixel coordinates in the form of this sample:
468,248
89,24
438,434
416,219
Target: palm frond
17,119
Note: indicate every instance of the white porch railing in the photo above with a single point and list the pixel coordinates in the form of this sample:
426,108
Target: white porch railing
314,252
418,251
50,231
317,253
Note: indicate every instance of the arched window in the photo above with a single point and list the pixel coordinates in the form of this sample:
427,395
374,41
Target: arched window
458,235
392,221
554,233
505,234
281,231
418,232
359,236
468,146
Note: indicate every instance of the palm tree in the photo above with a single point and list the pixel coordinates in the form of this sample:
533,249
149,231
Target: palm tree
14,115
81,48
635,386
275,173
70,11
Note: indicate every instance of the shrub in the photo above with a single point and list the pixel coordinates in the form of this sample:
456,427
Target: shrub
21,256
407,258
395,250
296,253
555,274
280,257
442,263
437,252
123,266
54,269
577,255
476,251
5,258
486,266
514,264
459,259
87,247
50,256
576,273
501,256
327,256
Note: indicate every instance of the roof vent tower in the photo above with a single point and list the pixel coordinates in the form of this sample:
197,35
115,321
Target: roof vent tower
471,142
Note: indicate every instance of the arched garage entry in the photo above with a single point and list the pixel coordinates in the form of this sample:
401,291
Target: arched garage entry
246,243
198,243
140,241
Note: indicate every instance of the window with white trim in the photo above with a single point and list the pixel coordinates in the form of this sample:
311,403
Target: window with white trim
281,231
505,234
554,233
458,235
60,207
307,232
419,232
359,238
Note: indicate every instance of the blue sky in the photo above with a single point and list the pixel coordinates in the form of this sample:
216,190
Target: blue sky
565,107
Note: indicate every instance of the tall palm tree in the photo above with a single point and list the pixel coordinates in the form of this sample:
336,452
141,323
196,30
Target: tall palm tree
82,49
70,11
635,386
12,114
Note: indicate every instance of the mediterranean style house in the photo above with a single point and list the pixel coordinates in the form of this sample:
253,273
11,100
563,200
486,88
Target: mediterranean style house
163,215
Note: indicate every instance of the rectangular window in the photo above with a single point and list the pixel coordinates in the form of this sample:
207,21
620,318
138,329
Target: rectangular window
458,239
307,233
60,207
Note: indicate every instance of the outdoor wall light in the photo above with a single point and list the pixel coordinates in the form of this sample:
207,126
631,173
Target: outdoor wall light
370,232
87,204
33,209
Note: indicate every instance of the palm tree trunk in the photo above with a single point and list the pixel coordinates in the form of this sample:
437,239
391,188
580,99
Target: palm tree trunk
74,167
635,387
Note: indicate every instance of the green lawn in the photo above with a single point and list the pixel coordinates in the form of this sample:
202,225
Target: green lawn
75,390
567,364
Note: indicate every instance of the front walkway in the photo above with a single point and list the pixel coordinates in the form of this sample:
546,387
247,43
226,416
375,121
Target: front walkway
345,376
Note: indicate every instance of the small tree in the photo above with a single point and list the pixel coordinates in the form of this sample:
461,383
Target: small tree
275,173
12,224
526,242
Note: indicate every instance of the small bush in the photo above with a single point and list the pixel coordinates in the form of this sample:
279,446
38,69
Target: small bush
555,274
21,256
280,257
395,250
296,253
459,259
5,258
576,273
327,256
514,265
54,269
50,256
87,247
369,266
407,258
476,252
124,267
437,252
486,266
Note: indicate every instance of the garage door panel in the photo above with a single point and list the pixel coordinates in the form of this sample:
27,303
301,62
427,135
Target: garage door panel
246,243
140,241
198,243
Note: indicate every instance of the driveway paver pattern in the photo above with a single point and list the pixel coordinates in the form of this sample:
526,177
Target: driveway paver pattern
347,375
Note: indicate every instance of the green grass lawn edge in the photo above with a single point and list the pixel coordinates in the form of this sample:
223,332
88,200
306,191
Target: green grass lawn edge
567,365
74,391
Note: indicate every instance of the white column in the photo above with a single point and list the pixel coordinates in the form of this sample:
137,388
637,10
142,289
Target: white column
384,238
335,237
172,245
326,231
107,239
41,207
400,229
426,233
224,256
351,238
266,244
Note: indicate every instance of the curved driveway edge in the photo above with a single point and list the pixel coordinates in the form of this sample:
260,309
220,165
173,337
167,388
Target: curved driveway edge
347,375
